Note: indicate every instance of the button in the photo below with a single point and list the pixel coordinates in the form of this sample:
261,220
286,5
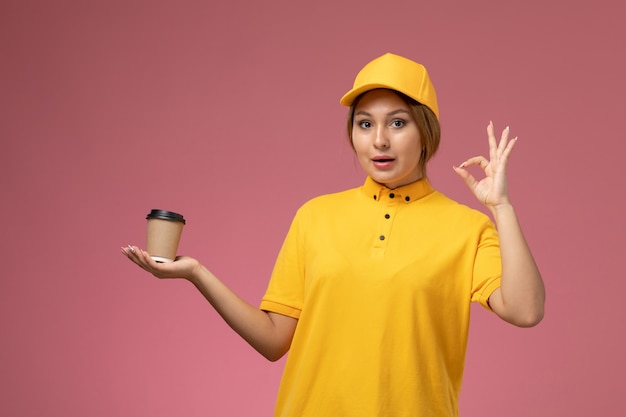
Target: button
387,216
392,195
382,237
374,197
407,198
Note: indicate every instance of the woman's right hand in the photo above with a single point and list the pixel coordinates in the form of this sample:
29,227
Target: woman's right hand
182,267
269,333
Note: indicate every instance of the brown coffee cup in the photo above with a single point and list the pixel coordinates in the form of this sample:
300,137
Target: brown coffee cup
163,234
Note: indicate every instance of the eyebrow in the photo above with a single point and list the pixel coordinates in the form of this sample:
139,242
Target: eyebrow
392,113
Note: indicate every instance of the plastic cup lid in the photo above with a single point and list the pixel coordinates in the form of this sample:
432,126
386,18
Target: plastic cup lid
165,215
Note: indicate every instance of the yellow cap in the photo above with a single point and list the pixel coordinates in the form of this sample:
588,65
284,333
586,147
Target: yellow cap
396,73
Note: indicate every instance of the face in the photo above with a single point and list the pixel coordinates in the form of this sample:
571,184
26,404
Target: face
386,139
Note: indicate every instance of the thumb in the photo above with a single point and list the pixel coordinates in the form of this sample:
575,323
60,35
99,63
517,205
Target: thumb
465,176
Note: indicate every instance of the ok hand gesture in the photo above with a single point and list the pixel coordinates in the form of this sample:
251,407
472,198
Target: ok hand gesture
492,189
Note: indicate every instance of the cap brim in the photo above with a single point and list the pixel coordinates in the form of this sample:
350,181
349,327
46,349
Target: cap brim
351,95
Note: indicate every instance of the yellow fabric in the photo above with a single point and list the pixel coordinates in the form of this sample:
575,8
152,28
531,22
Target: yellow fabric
396,73
383,323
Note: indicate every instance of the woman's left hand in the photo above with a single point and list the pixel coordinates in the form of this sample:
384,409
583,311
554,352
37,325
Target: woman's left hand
491,190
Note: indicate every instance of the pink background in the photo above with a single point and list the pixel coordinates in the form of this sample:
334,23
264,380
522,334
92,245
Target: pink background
228,113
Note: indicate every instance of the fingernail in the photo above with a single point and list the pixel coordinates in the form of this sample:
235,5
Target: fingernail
506,128
131,249
462,165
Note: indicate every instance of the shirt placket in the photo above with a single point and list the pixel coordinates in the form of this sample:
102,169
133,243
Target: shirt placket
386,215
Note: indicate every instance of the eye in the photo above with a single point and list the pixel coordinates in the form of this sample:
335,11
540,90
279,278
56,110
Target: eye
364,124
398,123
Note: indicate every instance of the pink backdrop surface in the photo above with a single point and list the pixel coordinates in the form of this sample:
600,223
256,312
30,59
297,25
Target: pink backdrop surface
228,113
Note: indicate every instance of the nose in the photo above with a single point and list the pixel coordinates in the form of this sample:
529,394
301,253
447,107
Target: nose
380,140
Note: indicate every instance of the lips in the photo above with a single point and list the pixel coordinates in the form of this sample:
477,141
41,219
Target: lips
382,161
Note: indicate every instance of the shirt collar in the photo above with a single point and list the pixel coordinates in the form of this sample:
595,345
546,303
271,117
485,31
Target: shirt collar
407,193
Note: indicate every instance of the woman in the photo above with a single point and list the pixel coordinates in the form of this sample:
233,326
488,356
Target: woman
372,288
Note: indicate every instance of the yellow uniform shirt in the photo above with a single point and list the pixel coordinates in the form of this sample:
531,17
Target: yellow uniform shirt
381,282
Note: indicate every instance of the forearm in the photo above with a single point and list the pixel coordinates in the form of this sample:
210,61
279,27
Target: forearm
270,334
520,299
